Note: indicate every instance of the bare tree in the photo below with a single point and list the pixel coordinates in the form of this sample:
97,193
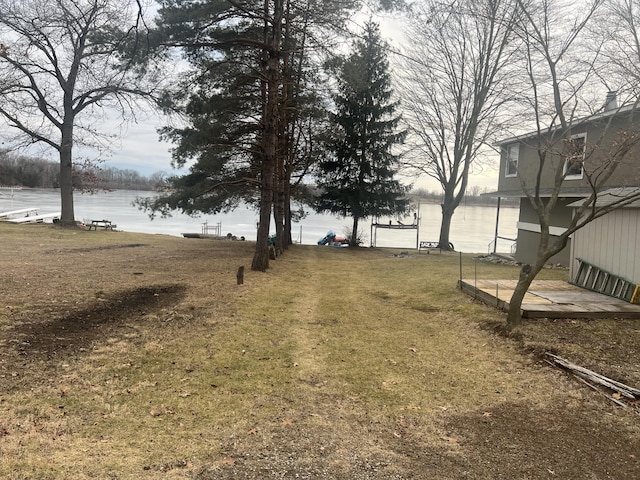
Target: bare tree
563,67
62,62
452,81
619,26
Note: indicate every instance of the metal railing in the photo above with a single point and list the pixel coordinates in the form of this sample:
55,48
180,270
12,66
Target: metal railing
211,229
492,247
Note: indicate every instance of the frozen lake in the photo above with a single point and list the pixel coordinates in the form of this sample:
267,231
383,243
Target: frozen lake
472,228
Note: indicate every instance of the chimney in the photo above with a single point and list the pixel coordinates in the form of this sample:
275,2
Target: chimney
611,103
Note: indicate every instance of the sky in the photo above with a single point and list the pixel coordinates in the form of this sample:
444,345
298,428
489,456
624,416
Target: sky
140,148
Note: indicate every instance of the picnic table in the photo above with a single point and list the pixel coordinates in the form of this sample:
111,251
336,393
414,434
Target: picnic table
106,224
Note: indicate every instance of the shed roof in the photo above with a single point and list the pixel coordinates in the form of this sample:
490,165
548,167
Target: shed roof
614,195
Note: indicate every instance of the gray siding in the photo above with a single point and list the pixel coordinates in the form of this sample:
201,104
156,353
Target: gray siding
527,249
610,242
528,241
598,146
560,216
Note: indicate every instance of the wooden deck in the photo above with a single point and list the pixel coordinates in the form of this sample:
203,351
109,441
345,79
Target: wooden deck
551,299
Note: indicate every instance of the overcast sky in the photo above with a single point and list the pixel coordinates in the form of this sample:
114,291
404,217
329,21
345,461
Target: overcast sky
140,148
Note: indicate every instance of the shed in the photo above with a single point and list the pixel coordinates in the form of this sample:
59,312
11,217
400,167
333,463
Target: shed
610,242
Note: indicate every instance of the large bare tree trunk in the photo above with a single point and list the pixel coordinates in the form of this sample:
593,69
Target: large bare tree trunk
445,227
270,138
449,204
279,209
67,214
260,261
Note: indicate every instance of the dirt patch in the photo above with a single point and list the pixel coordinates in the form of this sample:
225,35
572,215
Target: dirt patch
511,440
525,441
35,346
98,248
74,331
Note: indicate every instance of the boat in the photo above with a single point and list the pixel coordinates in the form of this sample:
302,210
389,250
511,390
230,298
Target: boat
333,240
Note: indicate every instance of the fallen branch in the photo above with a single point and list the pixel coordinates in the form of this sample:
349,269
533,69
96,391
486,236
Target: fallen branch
592,386
621,388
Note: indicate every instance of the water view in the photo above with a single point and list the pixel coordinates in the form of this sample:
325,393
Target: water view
473,227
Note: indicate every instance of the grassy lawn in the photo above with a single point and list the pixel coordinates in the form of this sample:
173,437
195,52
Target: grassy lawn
126,356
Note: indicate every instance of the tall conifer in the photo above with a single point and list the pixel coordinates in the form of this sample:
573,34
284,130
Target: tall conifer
358,180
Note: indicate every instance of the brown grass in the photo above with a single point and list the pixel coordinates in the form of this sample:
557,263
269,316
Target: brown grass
137,356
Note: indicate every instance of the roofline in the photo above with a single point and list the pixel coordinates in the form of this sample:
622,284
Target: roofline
580,121
612,195
544,193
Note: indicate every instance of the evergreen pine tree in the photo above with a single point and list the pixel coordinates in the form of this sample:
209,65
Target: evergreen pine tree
358,180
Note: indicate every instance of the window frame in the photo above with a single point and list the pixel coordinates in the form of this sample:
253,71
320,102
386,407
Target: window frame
565,168
509,160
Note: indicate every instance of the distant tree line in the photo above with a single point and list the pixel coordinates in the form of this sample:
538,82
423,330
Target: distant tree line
474,195
34,172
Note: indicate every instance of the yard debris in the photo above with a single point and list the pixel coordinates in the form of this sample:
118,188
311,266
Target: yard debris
504,259
631,394
402,255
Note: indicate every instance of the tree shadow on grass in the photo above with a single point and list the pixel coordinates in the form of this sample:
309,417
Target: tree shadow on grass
66,334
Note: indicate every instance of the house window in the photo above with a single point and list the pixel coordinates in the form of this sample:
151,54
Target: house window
513,152
574,160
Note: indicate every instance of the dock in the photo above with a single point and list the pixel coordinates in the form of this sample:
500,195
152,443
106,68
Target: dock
203,235
550,299
22,212
43,218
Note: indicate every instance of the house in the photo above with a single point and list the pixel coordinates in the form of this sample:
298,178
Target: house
573,158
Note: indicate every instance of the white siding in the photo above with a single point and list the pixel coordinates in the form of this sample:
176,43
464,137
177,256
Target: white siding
610,242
